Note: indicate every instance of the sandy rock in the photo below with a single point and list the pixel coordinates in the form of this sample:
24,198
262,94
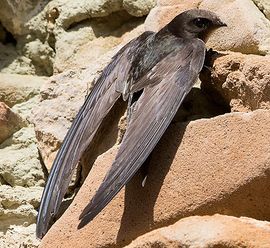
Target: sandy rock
204,167
16,89
138,7
14,14
98,35
24,109
19,160
165,11
264,6
9,122
18,205
208,231
253,37
20,236
18,211
241,81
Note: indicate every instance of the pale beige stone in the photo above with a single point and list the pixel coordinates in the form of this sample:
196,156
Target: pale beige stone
240,81
202,167
208,231
248,30
20,164
138,7
10,122
16,89
264,6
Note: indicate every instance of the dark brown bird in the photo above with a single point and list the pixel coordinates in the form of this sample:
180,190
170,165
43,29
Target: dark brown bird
164,66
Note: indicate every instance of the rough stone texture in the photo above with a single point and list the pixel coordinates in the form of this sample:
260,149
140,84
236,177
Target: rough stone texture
138,7
18,205
18,211
9,122
264,6
208,231
16,89
73,46
253,37
242,81
14,14
165,11
48,34
19,160
19,236
218,165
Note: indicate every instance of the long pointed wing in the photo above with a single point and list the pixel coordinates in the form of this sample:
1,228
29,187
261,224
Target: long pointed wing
97,105
168,83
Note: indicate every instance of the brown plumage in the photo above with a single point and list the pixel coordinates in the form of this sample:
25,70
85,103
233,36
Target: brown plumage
164,66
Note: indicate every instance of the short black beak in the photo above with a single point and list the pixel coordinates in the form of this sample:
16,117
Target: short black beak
221,24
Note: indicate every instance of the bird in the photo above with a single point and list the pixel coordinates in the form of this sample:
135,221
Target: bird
162,66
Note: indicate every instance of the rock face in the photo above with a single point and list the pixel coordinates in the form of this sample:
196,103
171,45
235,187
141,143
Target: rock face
9,122
208,231
264,6
245,40
202,167
15,89
44,36
242,81
19,160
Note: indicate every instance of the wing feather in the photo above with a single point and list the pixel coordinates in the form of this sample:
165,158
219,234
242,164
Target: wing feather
95,108
167,85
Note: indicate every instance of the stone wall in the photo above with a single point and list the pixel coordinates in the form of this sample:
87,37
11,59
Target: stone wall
214,158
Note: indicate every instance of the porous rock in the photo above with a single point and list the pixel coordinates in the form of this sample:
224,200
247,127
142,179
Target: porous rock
15,89
138,7
202,167
253,37
10,122
18,211
264,6
208,231
20,163
240,81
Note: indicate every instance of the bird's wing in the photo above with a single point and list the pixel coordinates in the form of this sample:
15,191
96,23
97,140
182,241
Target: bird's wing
105,93
167,85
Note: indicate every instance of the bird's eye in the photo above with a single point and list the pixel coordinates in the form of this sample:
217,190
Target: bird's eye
201,23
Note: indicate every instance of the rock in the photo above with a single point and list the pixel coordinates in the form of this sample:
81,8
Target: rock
51,35
15,14
138,7
165,11
19,236
208,231
241,81
264,6
19,160
24,109
253,37
98,35
18,205
202,167
9,122
18,211
16,89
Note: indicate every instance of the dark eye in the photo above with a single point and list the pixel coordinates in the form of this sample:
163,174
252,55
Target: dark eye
201,23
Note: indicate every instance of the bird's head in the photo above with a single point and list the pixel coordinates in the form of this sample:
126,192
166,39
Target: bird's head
195,23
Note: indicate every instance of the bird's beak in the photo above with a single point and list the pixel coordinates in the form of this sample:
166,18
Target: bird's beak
219,23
